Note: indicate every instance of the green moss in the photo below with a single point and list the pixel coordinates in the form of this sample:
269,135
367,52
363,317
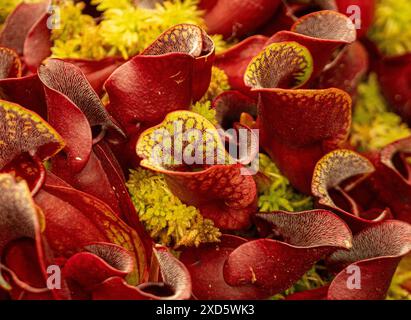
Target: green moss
165,217
401,276
276,193
374,126
124,30
205,110
170,13
127,32
127,29
370,101
78,35
391,30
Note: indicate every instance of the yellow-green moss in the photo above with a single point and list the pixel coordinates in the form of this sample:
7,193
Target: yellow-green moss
124,30
128,29
374,126
278,194
165,217
205,110
402,275
78,35
170,13
391,30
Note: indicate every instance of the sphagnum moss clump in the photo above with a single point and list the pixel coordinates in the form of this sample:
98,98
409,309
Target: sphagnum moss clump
205,110
401,282
278,194
128,29
78,35
124,30
374,125
166,218
391,30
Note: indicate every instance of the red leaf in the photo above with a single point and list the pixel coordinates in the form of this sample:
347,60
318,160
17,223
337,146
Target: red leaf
69,82
169,75
394,76
69,212
92,179
26,91
376,253
100,262
102,178
322,33
115,175
97,71
37,46
298,127
27,283
256,269
391,180
73,109
233,18
289,12
235,60
18,214
205,265
19,23
312,31
20,231
72,124
347,70
170,63
274,265
176,285
330,173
